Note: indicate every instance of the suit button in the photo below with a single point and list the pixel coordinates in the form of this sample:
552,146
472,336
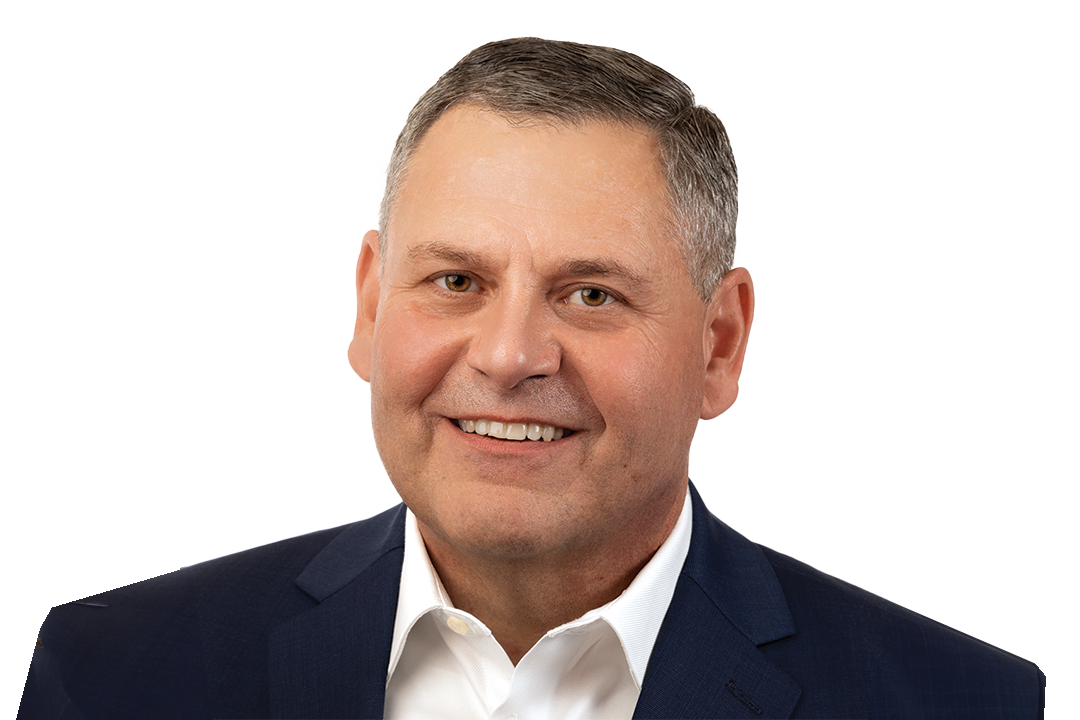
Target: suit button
457,625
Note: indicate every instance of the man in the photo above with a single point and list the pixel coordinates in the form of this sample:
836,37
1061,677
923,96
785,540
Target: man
547,310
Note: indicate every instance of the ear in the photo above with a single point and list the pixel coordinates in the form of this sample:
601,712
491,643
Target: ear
727,327
367,302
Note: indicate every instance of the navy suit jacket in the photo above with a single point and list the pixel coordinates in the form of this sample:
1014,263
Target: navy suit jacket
302,629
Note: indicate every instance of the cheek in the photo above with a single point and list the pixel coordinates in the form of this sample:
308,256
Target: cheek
636,380
410,356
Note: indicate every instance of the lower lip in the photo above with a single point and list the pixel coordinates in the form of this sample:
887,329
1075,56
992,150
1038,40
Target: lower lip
507,447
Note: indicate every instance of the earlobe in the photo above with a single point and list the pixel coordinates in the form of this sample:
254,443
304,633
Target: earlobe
727,328
367,302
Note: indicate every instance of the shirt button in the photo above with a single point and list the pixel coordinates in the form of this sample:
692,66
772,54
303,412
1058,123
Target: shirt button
457,625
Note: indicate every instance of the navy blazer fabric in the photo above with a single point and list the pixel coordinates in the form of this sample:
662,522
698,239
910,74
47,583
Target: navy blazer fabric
302,629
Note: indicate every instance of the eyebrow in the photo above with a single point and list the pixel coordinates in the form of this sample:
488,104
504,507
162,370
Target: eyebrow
600,267
442,250
581,267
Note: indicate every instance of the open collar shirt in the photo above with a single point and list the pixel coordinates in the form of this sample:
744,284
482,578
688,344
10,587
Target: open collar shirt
445,663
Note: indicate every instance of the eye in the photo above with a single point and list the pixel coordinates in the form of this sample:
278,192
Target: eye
593,297
455,283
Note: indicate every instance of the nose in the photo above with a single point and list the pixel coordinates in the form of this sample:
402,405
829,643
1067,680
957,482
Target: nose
513,341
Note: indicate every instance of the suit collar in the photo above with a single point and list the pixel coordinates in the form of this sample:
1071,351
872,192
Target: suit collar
331,660
731,570
352,552
727,602
735,574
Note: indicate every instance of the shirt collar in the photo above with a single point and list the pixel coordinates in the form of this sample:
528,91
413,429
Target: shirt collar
635,616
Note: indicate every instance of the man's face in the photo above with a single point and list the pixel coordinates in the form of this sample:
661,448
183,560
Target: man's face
532,276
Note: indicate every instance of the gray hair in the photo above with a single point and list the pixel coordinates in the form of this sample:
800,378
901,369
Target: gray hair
566,82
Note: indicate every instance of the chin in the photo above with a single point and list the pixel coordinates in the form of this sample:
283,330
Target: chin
504,521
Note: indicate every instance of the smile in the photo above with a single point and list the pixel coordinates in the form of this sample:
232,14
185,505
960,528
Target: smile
513,430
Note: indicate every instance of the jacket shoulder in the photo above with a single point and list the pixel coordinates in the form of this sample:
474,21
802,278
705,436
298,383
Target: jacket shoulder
175,645
253,575
904,664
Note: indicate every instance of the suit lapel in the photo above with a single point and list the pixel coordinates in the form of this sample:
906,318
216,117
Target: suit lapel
706,663
331,660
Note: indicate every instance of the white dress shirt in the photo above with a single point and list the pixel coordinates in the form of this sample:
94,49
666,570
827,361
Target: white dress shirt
444,663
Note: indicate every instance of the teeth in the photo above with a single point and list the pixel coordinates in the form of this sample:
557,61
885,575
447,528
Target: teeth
512,431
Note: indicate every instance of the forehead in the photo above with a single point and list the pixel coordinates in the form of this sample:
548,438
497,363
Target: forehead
478,175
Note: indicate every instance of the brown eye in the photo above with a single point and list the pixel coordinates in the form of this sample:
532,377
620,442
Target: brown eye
456,283
593,297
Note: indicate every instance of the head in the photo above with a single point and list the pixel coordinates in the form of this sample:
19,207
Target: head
529,80
532,272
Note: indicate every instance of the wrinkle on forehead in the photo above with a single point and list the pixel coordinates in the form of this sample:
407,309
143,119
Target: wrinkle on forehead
485,146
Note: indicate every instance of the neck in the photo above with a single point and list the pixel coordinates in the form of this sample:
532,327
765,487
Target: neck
521,599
